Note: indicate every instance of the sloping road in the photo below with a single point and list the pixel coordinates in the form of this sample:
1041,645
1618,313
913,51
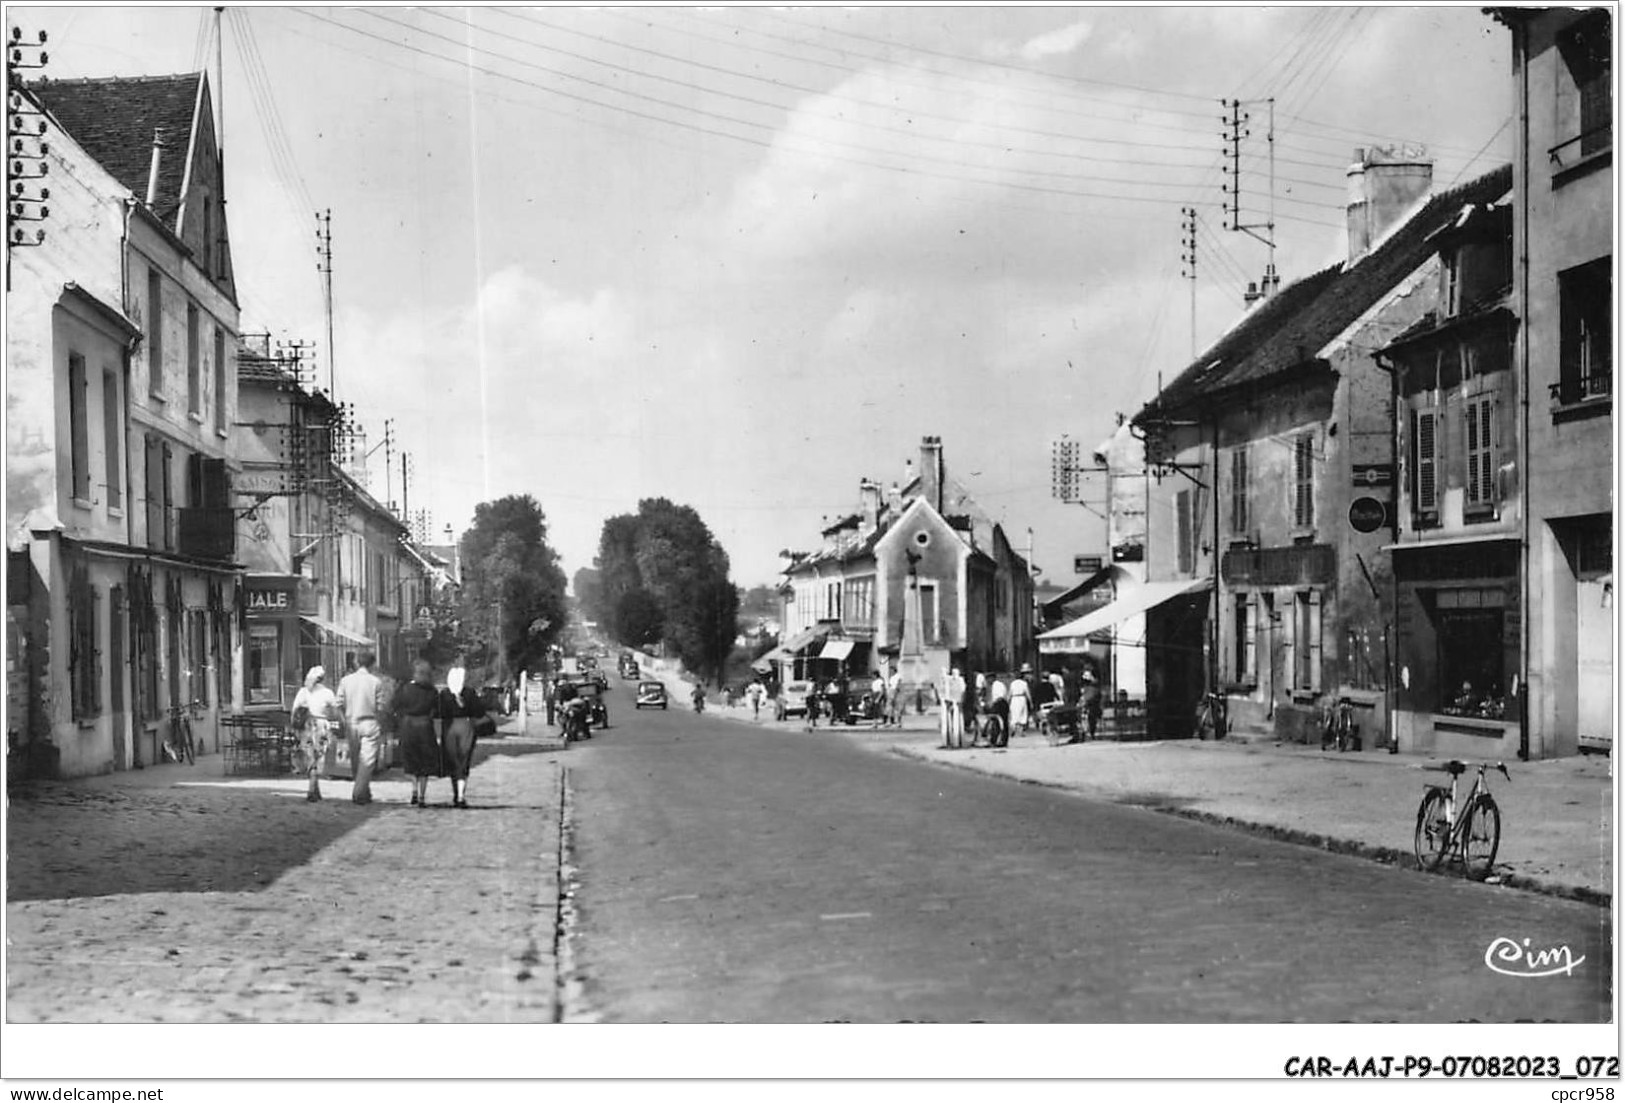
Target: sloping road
730,874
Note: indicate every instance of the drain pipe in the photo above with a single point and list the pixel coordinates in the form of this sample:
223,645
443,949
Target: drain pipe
1521,50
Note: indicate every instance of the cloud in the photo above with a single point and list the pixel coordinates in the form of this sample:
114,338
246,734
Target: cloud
1062,40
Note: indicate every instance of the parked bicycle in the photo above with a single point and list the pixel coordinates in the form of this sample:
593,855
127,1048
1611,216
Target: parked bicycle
1467,830
1212,719
1338,728
180,745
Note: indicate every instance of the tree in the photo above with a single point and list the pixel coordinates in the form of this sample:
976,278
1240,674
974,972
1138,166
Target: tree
663,559
588,591
512,583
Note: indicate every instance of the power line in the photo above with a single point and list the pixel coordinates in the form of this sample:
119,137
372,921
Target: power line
1019,186
912,113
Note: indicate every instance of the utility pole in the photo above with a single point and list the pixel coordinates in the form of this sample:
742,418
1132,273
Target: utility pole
1188,258
1235,122
405,483
26,147
324,247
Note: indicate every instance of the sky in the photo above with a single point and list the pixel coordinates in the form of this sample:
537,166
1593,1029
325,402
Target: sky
743,258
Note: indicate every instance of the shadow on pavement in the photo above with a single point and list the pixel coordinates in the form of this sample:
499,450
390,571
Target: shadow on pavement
66,841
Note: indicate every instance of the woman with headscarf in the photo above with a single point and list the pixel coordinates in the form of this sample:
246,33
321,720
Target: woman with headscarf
417,714
460,706
315,712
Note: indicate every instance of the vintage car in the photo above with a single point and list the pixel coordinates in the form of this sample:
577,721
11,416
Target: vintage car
792,699
651,695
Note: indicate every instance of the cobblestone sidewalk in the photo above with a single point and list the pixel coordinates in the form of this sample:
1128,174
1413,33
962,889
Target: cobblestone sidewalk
178,895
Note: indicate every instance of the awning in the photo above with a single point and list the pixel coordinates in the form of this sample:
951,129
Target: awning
837,650
1147,596
335,634
801,640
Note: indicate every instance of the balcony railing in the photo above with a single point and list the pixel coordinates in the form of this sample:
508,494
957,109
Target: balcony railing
1575,389
1582,145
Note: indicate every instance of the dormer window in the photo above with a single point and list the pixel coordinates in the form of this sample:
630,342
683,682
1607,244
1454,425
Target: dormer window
1450,289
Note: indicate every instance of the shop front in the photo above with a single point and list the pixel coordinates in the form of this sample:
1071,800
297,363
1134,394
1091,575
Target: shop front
271,672
1459,632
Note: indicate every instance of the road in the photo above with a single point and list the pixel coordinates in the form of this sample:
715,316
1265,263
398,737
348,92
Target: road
733,874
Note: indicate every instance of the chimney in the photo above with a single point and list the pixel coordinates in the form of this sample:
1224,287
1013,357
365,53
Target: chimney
1384,183
1253,293
869,493
931,471
152,171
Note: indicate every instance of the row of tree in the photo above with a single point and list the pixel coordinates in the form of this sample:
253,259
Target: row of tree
661,576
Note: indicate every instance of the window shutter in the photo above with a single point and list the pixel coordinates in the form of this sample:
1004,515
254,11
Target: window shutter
1314,641
1426,440
1182,520
167,478
1251,653
1472,453
1486,442
153,473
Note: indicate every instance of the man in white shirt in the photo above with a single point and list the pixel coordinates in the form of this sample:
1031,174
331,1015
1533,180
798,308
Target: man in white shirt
877,696
358,695
894,696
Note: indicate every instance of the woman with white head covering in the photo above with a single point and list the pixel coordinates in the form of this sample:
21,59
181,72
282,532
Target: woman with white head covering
315,711
460,706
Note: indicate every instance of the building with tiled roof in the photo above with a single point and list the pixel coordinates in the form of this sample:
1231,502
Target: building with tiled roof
1265,591
918,575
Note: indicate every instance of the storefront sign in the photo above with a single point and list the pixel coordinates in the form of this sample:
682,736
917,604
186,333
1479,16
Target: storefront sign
1373,474
270,597
1298,565
1367,514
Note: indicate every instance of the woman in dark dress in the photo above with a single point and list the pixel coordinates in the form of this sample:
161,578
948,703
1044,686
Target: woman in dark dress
417,716
460,706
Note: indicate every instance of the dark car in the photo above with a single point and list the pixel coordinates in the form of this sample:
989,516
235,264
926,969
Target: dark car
651,695
496,699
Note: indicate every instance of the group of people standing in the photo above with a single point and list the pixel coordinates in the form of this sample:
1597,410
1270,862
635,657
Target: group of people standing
994,709
437,726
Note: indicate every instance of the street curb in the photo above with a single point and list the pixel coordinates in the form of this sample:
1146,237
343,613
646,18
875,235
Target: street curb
1384,855
569,1003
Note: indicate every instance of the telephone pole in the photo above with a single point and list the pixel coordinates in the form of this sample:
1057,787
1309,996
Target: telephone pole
324,248
1188,258
1236,129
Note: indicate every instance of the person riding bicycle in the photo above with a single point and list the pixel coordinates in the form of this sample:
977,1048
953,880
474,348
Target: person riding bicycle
698,694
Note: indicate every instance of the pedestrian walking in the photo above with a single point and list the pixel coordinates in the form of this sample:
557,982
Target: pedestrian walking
1021,699
953,696
812,707
968,708
358,694
315,712
894,696
1091,704
417,714
460,710
877,699
756,691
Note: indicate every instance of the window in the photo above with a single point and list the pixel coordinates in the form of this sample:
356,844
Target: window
194,364
1185,529
1244,670
83,658
263,658
1470,626
860,601
166,487
1239,518
1586,355
79,426
1303,480
930,622
1424,464
1586,50
113,449
155,332
1478,417
1306,642
220,381
1450,289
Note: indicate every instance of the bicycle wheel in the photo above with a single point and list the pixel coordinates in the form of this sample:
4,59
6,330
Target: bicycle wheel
1432,831
1481,837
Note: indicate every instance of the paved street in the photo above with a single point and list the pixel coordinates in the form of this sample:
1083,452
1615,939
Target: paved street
733,874
175,895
